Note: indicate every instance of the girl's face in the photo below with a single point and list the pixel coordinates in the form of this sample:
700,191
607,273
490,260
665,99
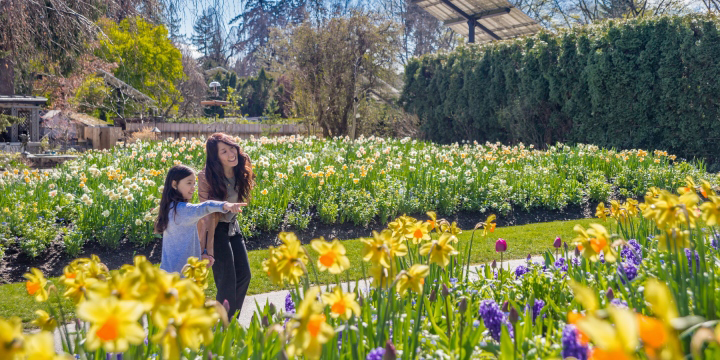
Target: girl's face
186,187
228,155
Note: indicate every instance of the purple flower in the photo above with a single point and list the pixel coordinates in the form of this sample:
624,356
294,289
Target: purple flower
629,270
520,271
619,303
602,257
632,253
575,261
376,354
537,307
688,253
493,318
561,265
289,304
571,345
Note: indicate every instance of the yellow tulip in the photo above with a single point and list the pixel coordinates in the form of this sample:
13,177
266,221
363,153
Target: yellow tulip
342,304
332,256
440,250
35,285
114,323
412,279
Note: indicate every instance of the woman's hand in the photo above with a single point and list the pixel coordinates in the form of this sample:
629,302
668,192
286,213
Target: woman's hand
234,207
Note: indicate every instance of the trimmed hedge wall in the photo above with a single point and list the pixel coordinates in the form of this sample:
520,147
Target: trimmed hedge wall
647,83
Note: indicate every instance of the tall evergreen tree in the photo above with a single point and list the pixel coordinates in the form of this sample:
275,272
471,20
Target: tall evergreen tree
208,37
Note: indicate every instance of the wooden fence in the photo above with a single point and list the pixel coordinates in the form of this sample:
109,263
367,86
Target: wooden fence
178,130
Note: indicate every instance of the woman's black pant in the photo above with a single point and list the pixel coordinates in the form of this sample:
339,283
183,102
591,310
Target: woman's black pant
231,268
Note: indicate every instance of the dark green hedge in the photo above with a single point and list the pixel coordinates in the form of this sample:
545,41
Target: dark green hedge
649,83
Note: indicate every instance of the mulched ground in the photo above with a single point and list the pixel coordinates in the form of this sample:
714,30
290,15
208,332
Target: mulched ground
51,262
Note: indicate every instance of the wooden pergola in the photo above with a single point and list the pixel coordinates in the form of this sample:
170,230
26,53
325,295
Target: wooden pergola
23,106
496,19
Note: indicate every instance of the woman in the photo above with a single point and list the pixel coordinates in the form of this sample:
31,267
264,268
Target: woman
227,176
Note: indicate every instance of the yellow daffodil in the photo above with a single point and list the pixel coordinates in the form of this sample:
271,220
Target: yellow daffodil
440,250
711,210
271,268
309,329
78,286
291,258
489,225
44,321
601,211
662,304
382,276
383,247
189,328
618,341
667,210
11,338
114,323
197,271
433,219
617,211
412,279
674,239
35,285
342,304
706,189
418,232
594,240
453,229
41,346
584,296
332,256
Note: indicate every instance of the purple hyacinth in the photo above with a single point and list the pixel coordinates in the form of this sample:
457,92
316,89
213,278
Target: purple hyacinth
571,345
537,307
632,253
602,257
376,354
629,270
619,303
520,271
561,264
289,303
493,318
688,253
575,261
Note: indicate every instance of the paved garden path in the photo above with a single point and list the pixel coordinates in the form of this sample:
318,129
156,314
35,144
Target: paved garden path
278,297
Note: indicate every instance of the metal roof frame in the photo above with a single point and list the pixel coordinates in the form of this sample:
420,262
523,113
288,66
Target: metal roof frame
497,19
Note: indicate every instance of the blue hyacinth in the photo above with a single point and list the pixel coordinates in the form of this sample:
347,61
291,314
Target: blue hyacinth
289,304
696,264
629,270
619,303
561,264
520,271
571,345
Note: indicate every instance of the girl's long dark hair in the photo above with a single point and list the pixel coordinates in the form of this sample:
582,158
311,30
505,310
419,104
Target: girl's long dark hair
244,177
170,196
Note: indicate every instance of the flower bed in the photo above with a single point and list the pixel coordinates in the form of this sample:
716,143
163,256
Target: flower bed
107,195
644,288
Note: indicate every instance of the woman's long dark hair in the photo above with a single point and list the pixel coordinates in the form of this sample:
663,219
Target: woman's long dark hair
170,196
215,175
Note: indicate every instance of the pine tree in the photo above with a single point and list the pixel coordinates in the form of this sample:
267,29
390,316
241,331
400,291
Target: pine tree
209,38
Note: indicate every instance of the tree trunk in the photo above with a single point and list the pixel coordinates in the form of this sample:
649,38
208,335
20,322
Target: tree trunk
7,73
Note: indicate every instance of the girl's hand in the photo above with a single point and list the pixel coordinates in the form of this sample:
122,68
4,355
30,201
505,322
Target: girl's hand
209,258
234,208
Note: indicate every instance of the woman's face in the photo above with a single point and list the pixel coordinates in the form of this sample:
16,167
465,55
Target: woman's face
186,187
228,155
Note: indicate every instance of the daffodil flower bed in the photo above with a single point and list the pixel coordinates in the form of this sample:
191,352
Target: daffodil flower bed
108,195
644,287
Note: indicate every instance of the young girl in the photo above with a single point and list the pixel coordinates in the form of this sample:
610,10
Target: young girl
177,218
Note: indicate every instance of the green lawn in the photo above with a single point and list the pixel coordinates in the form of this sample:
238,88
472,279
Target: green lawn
522,240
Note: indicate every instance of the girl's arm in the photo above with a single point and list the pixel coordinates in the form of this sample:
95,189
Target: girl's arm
187,213
206,226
